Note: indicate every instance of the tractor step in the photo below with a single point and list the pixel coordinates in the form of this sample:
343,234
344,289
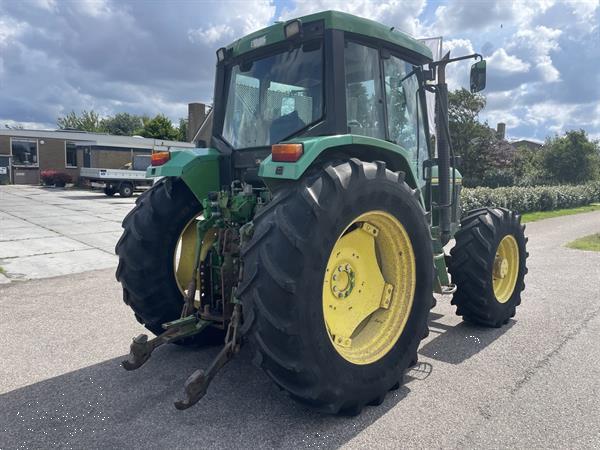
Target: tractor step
141,348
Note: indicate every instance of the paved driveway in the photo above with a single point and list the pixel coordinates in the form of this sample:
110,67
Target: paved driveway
532,384
45,232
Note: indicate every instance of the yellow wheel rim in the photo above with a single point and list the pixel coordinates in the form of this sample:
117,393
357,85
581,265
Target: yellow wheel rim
183,258
506,268
368,287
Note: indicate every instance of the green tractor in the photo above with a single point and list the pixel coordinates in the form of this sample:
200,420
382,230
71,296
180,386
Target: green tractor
313,225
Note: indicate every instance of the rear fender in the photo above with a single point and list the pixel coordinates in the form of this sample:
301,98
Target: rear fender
198,168
323,148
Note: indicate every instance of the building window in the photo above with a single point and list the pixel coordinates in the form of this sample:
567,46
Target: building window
24,152
70,154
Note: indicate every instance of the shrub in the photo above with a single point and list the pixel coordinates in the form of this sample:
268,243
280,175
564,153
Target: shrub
47,176
62,178
51,177
531,198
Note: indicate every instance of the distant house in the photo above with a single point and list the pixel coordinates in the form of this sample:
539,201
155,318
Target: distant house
27,152
531,145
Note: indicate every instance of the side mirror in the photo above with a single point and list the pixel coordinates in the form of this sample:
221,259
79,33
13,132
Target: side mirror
478,76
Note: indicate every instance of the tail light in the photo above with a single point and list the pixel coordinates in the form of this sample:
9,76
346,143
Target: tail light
159,158
286,152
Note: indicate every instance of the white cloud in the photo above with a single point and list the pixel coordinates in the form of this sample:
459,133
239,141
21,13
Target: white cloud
211,34
457,74
91,8
537,45
232,20
503,62
460,16
403,15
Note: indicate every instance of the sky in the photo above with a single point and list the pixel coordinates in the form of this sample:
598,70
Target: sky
150,57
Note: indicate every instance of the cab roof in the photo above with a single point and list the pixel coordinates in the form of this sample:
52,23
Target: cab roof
334,20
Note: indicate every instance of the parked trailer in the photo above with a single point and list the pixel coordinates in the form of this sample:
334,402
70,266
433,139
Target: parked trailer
124,181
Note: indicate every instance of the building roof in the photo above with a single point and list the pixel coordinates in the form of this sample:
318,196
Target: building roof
339,21
100,139
530,143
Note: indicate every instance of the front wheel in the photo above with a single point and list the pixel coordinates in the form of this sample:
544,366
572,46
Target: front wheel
337,285
488,265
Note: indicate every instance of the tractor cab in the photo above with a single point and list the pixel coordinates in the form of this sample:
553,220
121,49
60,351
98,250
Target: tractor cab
328,74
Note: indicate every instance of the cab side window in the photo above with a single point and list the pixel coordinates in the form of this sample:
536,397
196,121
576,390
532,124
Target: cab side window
364,104
404,108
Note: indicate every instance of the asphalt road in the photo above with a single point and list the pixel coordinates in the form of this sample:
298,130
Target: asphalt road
534,383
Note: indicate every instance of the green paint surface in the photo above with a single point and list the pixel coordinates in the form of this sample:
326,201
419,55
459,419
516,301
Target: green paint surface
198,168
314,146
334,20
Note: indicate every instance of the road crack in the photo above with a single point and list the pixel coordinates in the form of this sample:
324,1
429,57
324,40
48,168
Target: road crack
529,373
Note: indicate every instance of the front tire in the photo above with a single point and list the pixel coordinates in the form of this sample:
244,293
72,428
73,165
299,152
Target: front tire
488,265
285,286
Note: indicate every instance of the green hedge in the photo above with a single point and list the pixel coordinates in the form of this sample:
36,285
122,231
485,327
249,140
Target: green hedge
533,198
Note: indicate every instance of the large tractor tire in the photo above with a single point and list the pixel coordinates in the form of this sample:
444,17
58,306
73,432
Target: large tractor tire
488,266
337,285
156,256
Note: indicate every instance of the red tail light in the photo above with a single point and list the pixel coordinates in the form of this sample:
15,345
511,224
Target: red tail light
159,158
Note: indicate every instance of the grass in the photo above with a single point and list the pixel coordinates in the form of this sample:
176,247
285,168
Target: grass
591,242
2,271
539,215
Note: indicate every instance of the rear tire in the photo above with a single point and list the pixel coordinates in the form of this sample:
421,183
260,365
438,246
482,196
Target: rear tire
109,191
283,279
146,251
472,266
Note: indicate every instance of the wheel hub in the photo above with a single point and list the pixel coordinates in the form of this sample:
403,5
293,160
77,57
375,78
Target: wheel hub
500,267
368,287
506,268
342,280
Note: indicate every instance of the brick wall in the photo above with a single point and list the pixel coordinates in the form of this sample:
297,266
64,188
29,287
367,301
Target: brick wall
52,156
4,145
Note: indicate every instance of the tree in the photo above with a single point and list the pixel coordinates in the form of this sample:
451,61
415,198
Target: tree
122,124
464,106
571,158
159,127
182,130
86,121
473,141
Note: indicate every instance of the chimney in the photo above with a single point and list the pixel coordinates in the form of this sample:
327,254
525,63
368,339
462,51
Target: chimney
501,130
196,115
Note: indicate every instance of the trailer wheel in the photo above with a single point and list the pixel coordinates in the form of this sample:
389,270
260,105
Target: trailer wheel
126,189
109,191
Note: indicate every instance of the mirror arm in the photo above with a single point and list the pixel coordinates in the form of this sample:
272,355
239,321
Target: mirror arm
460,58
